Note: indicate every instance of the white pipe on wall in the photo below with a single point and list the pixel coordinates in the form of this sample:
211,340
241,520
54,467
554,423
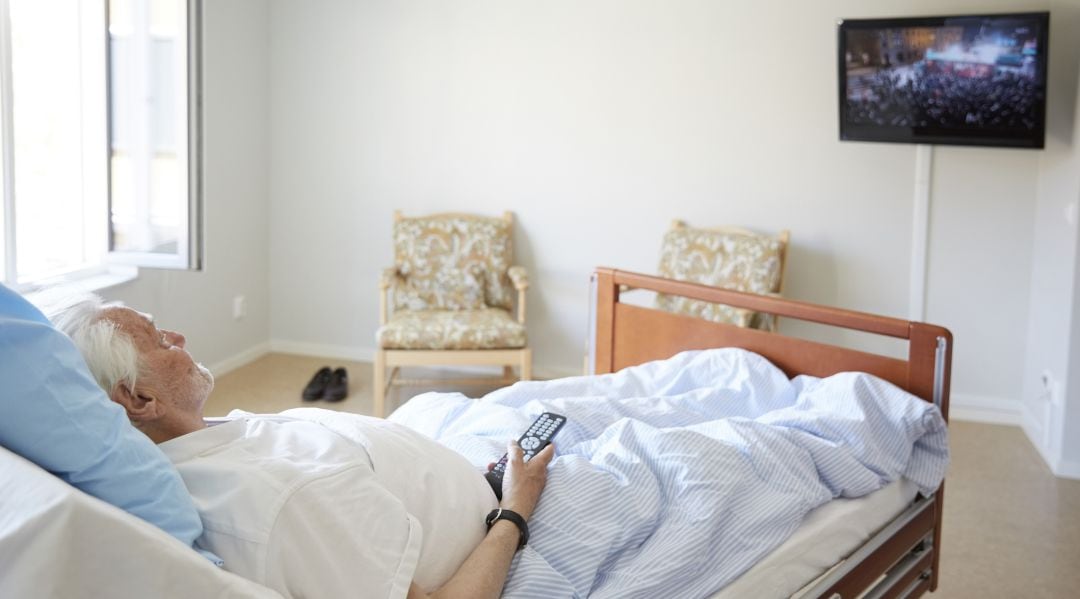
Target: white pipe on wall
920,232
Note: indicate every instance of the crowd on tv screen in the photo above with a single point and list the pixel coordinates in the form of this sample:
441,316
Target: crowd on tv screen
1002,99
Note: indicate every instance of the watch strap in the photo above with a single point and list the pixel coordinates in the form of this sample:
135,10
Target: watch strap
504,514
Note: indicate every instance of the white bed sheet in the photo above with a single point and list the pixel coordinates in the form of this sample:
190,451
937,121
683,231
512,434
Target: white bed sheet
827,535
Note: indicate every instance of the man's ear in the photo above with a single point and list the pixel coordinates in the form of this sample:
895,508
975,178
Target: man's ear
140,407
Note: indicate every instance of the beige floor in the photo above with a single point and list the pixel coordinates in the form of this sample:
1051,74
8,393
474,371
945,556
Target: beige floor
1011,528
274,382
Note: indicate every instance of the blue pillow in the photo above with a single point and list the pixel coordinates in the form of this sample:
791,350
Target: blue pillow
53,413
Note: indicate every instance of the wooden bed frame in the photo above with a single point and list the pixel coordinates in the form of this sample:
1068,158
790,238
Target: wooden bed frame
902,559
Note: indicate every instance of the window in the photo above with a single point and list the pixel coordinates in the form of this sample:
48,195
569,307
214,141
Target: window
99,128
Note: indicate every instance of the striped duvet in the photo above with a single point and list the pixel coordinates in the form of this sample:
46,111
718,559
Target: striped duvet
674,477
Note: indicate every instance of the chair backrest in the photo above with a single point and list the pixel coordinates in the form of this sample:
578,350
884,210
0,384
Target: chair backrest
730,258
453,261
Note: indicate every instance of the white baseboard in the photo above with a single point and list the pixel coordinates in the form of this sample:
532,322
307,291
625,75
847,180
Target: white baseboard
1067,469
988,410
1035,426
319,350
243,358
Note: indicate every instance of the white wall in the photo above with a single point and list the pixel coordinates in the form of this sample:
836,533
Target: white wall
1054,275
982,215
1065,411
599,122
1052,419
235,79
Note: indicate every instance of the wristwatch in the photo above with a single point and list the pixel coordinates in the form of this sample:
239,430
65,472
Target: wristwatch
501,514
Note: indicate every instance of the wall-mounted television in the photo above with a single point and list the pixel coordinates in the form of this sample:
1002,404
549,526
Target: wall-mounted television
961,80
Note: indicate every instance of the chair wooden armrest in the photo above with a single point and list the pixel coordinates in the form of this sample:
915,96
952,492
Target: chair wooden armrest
520,278
389,278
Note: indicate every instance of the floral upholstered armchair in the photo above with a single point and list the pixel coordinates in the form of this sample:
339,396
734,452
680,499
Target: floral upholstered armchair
452,290
726,257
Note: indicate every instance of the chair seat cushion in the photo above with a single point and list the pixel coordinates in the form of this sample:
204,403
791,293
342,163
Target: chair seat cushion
488,328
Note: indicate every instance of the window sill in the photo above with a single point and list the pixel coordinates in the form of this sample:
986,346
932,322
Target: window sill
91,282
115,275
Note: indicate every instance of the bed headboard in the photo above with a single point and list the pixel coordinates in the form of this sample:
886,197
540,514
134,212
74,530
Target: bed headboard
624,335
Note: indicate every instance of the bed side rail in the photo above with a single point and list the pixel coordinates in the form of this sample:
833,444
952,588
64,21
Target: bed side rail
899,556
851,319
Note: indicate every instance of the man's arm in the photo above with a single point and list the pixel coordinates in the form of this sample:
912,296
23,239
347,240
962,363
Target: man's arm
484,572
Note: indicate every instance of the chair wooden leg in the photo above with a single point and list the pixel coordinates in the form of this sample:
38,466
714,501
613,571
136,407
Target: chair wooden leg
508,373
526,364
378,386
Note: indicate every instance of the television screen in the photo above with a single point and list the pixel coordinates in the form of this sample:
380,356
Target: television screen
966,80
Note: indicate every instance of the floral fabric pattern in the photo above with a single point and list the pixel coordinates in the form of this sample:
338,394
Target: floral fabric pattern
731,260
452,262
489,328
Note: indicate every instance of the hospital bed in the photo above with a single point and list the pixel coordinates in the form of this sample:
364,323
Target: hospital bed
897,551
58,542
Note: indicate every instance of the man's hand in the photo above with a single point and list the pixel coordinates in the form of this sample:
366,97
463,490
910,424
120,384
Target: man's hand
523,481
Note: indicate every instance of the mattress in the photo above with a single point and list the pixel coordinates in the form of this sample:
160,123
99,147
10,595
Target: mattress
827,535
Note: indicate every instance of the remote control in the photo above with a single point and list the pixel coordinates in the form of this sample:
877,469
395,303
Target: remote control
532,441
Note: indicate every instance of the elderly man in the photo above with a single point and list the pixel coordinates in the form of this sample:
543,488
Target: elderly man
374,510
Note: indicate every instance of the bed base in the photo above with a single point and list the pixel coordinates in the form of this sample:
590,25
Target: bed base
902,559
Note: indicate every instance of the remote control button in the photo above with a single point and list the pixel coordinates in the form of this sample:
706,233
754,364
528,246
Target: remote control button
530,443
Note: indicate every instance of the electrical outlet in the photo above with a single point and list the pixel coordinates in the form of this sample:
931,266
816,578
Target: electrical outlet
1049,387
239,307
1047,380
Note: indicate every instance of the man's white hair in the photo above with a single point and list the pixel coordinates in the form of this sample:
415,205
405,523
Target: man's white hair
110,355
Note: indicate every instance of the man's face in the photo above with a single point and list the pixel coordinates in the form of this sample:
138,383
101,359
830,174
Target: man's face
166,370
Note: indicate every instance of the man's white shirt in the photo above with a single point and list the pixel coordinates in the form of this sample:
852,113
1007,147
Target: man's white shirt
316,503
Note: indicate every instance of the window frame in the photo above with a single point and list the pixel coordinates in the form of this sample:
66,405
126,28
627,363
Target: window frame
7,146
113,267
189,255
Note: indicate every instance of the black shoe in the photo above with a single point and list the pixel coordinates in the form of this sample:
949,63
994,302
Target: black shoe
338,388
316,388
